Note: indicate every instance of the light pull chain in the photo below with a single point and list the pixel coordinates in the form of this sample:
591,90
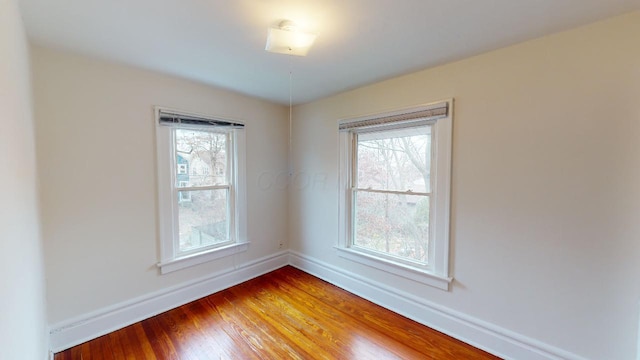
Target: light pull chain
290,125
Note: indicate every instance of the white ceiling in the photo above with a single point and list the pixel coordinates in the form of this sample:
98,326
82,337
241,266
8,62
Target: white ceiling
221,42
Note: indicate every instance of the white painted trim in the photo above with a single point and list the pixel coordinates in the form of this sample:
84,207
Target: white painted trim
407,272
89,326
201,257
170,258
481,334
441,190
638,334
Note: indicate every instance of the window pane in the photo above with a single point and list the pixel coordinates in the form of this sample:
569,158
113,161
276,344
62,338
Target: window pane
393,224
202,218
201,158
397,160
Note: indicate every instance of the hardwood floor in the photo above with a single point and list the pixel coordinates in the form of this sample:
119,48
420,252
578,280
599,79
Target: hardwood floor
286,314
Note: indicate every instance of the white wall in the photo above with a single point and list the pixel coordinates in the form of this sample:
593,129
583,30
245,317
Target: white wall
96,148
22,306
546,185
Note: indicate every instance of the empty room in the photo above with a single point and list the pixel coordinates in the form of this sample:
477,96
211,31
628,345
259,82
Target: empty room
279,179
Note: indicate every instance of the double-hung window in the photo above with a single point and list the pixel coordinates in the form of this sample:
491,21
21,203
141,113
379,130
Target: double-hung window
394,192
201,191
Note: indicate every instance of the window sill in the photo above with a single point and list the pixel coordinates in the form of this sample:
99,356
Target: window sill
199,258
418,275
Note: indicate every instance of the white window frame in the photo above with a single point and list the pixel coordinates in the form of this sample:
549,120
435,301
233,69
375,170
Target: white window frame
436,272
171,259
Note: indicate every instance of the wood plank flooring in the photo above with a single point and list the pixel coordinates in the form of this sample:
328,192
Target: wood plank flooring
286,314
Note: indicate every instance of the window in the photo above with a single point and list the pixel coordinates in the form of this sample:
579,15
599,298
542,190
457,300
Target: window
201,217
395,189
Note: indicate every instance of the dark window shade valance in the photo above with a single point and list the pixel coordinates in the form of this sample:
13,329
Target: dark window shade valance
167,118
432,112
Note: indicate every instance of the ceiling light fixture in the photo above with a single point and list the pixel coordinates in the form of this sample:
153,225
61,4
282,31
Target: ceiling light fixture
288,39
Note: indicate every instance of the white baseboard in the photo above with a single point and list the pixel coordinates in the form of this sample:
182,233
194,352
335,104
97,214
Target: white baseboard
483,335
486,336
92,325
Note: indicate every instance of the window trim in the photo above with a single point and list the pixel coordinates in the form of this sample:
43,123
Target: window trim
171,259
436,273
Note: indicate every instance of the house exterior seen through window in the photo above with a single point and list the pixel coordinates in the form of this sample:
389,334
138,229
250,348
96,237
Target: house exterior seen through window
203,221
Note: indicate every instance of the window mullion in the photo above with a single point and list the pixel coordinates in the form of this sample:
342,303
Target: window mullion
200,188
230,211
354,160
353,181
231,174
175,244
408,192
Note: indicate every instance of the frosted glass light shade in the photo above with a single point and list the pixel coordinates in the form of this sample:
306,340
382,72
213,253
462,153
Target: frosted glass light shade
290,42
